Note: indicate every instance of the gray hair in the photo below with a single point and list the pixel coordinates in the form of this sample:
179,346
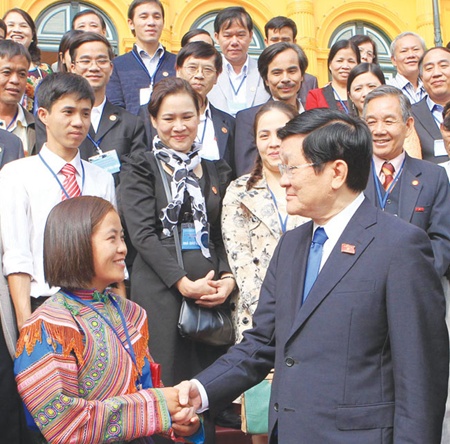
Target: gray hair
387,90
406,34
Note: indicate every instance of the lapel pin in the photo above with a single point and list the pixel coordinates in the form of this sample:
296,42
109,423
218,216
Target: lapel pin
224,130
113,118
415,182
347,248
165,74
419,209
214,190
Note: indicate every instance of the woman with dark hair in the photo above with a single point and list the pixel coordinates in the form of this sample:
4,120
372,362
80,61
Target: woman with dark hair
192,206
343,57
64,61
367,48
362,79
197,35
83,367
22,29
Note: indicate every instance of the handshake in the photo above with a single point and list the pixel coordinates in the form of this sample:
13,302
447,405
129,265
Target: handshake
183,401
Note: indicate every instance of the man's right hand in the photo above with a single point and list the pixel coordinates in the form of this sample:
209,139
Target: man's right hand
189,395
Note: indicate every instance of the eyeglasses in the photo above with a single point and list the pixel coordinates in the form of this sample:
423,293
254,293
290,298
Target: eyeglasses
194,69
289,170
87,63
367,52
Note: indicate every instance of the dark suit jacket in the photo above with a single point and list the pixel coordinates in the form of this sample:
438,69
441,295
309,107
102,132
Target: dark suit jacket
224,128
10,147
129,77
31,132
354,364
309,82
118,130
425,202
427,130
321,98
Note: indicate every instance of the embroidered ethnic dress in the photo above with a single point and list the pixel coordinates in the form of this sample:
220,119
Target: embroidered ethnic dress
77,380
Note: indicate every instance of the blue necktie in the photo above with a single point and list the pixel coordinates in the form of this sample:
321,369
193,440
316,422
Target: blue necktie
314,259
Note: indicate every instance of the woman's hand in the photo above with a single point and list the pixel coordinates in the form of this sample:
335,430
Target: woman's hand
224,286
196,289
187,429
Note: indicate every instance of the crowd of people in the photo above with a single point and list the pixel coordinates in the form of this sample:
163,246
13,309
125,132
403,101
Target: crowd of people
129,184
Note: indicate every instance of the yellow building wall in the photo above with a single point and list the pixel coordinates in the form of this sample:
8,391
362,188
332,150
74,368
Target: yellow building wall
316,19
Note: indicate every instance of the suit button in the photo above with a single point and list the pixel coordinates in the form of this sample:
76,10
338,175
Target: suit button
389,201
289,362
245,321
256,261
275,406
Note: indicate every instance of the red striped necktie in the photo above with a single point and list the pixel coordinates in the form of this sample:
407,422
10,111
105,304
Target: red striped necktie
70,182
388,171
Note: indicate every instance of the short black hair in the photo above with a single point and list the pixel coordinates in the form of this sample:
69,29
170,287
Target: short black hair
135,3
3,26
64,46
269,53
200,50
343,44
233,14
333,135
88,12
10,49
55,86
192,33
443,48
86,37
280,22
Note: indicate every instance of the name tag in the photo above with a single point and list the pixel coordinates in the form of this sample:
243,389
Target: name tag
439,148
109,161
144,95
188,240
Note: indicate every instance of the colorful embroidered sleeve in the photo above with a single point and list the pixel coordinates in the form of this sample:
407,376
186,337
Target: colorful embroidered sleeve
48,378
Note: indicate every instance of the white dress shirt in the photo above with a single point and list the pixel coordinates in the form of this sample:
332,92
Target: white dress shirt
407,88
28,192
207,136
96,114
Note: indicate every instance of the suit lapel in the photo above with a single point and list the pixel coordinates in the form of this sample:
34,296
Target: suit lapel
426,119
370,190
337,266
108,120
221,130
410,187
253,79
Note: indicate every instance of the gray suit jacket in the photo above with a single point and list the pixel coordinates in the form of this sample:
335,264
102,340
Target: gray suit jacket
309,82
10,147
427,130
353,364
222,92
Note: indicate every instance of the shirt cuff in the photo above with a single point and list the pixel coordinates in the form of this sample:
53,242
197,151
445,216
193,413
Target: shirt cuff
203,395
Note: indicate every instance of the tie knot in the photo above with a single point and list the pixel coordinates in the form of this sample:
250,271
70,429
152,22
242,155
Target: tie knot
320,237
68,170
388,169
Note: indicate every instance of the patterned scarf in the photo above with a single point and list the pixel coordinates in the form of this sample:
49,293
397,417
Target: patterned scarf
183,179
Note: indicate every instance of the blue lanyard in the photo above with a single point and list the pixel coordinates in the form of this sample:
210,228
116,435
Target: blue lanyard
13,120
130,349
382,200
236,91
283,223
204,129
96,143
340,101
59,182
141,63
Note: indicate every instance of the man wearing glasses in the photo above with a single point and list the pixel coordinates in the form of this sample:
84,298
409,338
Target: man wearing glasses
113,131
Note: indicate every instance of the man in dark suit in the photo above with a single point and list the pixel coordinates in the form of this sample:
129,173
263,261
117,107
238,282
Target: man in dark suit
136,72
415,190
363,356
283,29
10,147
435,72
282,67
114,132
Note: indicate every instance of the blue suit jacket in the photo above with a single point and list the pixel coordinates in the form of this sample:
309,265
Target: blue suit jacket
129,77
355,363
425,202
427,130
10,147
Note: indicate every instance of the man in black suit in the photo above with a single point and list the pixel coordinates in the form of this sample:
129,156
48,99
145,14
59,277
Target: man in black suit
114,132
356,334
282,67
10,147
435,72
283,29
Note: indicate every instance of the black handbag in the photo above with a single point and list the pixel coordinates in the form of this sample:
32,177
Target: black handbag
212,326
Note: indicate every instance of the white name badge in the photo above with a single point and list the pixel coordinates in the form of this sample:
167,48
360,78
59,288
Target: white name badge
144,95
109,161
439,148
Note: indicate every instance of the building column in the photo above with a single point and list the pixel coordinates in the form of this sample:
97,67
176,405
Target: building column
424,21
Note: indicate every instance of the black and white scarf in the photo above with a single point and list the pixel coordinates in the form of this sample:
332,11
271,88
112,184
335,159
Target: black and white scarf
183,180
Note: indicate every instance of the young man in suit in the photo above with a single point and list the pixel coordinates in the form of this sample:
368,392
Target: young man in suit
282,67
113,132
346,330
14,118
283,29
435,71
136,72
239,86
